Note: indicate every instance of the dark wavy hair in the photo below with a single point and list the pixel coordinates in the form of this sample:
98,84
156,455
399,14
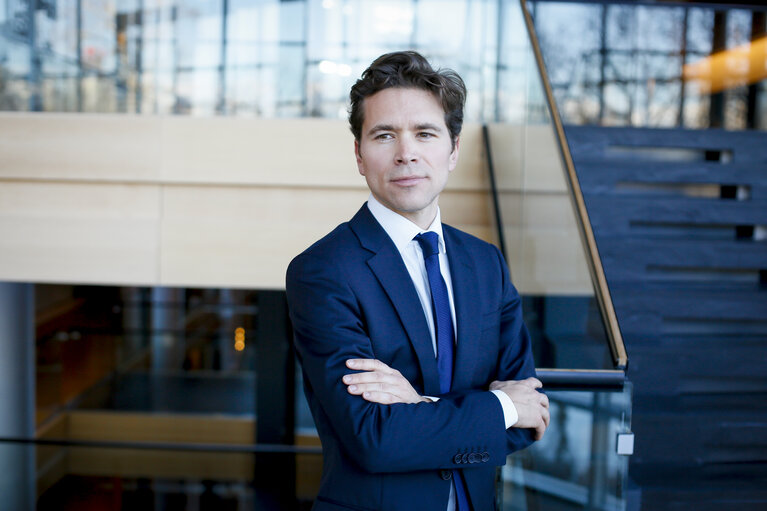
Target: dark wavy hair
409,69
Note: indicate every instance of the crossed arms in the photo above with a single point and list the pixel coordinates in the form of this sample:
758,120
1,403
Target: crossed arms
383,421
379,383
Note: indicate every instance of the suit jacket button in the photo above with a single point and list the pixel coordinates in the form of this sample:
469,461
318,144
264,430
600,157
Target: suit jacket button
465,458
445,474
485,457
457,459
475,457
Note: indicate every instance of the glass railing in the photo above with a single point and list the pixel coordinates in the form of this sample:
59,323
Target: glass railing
581,462
544,228
68,475
545,232
182,397
659,112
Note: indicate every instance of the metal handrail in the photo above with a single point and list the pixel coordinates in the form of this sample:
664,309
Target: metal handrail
617,346
582,379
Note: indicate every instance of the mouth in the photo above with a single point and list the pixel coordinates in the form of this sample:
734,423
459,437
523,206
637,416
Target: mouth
408,180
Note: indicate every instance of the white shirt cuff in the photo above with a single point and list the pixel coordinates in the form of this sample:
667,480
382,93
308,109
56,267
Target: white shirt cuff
510,415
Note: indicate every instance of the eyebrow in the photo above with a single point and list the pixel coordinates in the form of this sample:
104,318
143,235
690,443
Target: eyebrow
428,126
380,127
418,127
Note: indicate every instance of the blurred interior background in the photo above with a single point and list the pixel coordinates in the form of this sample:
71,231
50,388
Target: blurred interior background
161,162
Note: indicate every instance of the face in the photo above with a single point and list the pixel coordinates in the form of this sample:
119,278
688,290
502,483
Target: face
405,151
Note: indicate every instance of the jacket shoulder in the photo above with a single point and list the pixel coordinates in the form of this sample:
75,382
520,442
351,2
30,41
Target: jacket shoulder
332,244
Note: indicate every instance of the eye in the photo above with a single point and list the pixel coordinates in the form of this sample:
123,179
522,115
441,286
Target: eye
383,136
425,134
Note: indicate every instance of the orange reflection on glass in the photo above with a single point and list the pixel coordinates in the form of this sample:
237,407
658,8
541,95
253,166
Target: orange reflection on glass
737,66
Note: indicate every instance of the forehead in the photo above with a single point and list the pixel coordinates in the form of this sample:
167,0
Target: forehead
402,106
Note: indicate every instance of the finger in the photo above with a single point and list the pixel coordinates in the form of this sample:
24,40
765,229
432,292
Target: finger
360,388
361,364
533,383
545,401
368,377
546,416
368,364
383,398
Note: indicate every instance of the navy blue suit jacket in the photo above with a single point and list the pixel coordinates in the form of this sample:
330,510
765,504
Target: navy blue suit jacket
350,296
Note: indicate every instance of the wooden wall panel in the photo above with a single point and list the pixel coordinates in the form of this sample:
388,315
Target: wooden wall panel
80,146
245,236
214,202
78,232
546,255
306,152
279,152
545,249
526,158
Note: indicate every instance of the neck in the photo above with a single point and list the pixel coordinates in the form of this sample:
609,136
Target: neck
423,221
423,218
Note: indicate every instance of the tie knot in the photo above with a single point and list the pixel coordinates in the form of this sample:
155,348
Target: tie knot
429,242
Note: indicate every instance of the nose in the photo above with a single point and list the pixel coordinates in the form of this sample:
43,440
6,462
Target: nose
406,151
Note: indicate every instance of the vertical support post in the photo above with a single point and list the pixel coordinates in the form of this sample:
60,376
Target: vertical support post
221,108
719,43
139,19
499,32
178,106
495,194
17,394
683,57
275,473
35,66
79,46
758,30
602,64
167,317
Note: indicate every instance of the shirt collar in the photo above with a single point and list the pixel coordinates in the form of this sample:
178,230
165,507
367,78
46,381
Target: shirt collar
400,229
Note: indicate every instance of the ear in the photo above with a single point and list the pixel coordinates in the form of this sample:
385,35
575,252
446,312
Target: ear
454,154
360,165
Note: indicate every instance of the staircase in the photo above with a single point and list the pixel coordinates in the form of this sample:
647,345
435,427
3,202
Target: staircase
680,220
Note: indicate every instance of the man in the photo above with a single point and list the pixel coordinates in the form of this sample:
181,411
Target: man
416,362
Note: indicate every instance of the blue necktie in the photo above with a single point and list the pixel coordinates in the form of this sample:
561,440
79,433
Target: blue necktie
443,331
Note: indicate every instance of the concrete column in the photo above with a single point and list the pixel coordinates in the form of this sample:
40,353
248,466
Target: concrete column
17,394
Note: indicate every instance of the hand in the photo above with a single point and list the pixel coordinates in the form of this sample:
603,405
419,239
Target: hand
532,406
379,383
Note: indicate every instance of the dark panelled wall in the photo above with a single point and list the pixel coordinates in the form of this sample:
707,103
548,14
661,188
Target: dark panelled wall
680,219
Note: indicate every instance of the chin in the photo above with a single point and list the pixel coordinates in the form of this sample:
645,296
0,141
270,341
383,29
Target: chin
411,207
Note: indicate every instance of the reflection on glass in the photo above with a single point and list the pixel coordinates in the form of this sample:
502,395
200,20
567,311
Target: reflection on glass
546,256
165,350
153,393
72,477
576,464
247,57
654,65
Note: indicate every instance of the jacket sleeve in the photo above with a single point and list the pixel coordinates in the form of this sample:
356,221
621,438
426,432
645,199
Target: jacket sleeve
515,361
329,328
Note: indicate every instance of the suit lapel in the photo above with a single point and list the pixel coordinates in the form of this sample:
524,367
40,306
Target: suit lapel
466,292
391,273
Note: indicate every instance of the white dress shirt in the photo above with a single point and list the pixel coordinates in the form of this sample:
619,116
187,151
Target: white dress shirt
402,231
